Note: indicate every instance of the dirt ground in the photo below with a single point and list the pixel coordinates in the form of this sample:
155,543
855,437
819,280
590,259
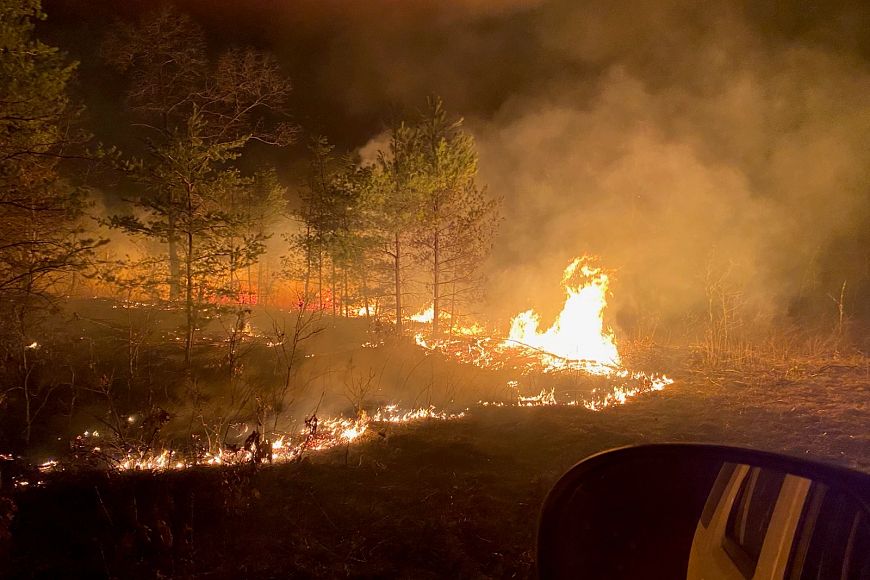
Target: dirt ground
456,499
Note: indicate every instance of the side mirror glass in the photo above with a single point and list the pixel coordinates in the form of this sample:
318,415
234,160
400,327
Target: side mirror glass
705,512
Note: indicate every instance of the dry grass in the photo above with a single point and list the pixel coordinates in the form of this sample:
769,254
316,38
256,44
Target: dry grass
438,499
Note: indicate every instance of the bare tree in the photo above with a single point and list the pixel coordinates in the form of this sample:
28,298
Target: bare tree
288,345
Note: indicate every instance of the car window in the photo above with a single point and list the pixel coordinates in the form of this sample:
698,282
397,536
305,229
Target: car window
750,516
719,486
834,539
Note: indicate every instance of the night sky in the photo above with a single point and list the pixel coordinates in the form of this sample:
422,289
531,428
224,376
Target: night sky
357,63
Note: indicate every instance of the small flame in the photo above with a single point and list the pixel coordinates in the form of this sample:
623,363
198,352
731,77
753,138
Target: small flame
577,340
425,316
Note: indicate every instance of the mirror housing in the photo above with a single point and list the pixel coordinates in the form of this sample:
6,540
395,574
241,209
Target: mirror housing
704,511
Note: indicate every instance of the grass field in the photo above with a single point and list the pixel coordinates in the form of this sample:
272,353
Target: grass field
455,499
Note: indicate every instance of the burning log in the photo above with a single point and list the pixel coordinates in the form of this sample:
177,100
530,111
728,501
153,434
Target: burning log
259,447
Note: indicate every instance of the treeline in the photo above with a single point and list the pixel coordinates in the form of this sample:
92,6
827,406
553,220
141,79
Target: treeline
416,208
194,208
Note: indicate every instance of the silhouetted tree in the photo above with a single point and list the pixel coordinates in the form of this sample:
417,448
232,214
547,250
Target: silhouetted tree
196,117
42,236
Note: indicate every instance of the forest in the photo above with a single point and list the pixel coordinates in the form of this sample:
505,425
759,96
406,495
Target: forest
185,249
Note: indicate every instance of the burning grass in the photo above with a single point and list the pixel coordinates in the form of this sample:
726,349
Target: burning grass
396,485
420,499
577,350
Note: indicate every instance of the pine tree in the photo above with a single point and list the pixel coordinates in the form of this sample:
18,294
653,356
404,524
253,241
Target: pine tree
334,224
398,183
458,219
41,229
197,116
42,236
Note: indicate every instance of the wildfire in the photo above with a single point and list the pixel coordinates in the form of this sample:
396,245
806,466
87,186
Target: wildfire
425,316
577,341
316,435
578,335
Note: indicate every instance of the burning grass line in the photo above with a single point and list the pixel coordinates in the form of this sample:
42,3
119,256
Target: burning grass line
579,329
320,435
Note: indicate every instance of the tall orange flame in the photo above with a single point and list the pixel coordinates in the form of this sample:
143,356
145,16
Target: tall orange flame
578,335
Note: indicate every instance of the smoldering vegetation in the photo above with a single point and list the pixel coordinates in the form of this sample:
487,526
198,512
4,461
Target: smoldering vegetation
446,498
118,369
713,158
109,380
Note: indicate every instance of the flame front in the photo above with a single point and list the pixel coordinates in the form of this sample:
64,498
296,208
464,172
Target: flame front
425,316
578,339
578,335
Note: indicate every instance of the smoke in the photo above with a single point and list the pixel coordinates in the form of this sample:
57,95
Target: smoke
690,147
701,153
685,144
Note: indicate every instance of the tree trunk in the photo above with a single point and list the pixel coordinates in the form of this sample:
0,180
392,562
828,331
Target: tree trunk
25,362
365,292
307,290
262,291
436,285
252,296
188,296
232,276
333,292
174,263
345,300
453,307
28,415
320,277
397,260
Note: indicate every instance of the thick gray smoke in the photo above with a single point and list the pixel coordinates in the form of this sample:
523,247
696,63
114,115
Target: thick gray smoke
690,145
700,154
694,149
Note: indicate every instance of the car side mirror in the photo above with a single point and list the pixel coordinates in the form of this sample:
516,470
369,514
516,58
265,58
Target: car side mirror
705,512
